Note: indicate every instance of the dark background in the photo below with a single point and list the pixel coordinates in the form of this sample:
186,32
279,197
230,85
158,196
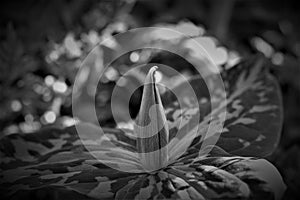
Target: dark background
37,39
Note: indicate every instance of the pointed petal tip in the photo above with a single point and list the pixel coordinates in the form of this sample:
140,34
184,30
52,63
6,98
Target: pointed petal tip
152,71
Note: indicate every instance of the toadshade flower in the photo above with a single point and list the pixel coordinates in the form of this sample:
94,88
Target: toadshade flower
166,155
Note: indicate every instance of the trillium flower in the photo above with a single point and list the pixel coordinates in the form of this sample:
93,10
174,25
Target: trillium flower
168,153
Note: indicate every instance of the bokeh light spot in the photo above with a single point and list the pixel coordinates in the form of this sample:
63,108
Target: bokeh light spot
50,117
49,80
277,58
16,105
134,57
60,87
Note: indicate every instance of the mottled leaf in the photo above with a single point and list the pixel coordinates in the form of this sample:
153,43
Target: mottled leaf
66,167
82,162
251,111
232,178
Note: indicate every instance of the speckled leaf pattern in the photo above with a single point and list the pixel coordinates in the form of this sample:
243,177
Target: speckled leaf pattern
253,110
254,113
78,167
54,158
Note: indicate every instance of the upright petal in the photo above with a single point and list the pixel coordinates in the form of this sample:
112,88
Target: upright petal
151,127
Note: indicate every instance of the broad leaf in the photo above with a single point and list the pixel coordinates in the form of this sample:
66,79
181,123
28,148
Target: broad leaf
254,117
252,111
54,160
87,163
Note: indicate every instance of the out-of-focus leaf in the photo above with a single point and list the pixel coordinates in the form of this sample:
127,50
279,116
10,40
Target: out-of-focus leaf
247,177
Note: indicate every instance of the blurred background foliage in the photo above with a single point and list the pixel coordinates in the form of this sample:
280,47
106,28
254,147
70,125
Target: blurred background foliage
43,44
